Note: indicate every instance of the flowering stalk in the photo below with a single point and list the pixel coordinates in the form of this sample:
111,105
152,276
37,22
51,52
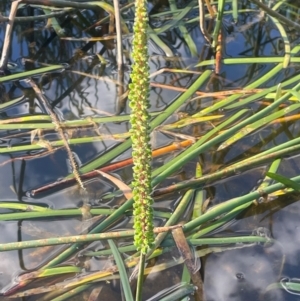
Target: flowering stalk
140,131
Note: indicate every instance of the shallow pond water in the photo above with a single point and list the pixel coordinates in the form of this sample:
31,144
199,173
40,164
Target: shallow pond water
89,86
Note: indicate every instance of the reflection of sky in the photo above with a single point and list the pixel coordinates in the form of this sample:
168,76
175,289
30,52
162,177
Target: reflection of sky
245,274
239,275
286,230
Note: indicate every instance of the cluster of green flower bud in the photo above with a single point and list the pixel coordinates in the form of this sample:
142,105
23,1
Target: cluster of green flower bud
140,131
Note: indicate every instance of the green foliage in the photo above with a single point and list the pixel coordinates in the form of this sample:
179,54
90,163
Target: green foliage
252,129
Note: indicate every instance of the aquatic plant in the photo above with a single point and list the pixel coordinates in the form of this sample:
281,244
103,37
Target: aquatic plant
140,131
217,121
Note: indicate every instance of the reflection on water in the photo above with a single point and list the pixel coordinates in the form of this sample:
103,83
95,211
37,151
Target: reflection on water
242,274
90,86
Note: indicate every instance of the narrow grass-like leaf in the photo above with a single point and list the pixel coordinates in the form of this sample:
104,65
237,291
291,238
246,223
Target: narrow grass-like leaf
30,73
63,240
23,207
287,46
272,169
174,293
22,122
235,12
278,92
230,240
75,239
175,21
73,292
199,195
185,278
189,120
18,121
229,205
217,27
284,180
256,125
223,220
267,181
24,126
296,94
10,103
59,13
125,249
250,60
290,286
122,271
54,23
160,43
46,213
41,144
225,102
273,95
188,39
49,272
265,92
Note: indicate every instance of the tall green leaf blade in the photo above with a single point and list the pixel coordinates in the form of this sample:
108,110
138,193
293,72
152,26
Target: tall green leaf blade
284,180
122,271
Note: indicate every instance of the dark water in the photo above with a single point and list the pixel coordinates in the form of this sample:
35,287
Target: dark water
87,88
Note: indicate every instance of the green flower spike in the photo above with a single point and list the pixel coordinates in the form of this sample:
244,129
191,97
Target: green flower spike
140,131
